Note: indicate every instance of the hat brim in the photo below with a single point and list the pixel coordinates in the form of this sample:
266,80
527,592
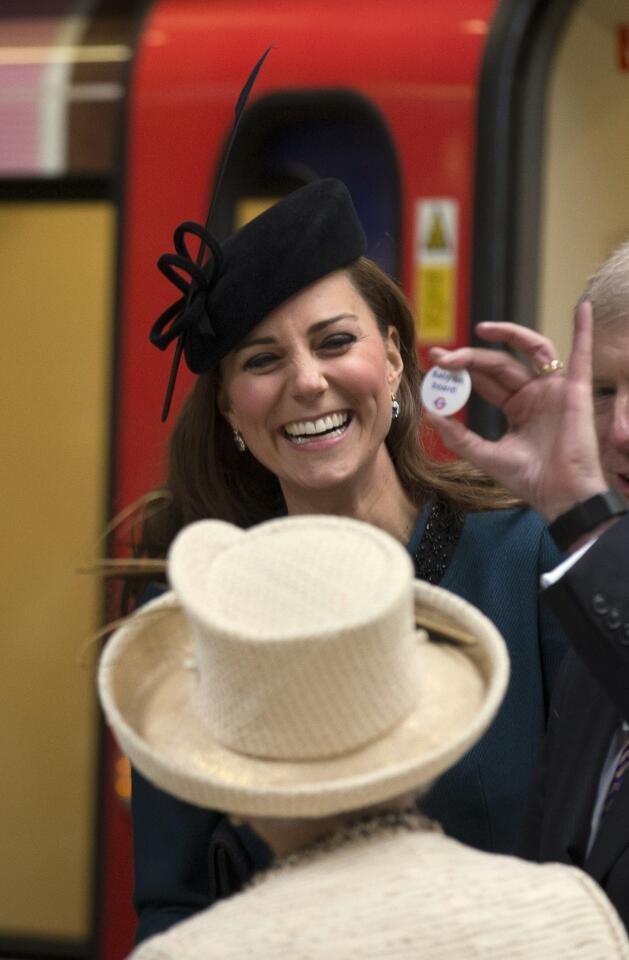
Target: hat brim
147,680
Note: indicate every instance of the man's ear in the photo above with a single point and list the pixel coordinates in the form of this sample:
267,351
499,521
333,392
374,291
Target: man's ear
394,358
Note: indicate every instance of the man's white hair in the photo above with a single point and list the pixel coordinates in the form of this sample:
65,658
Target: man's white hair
608,288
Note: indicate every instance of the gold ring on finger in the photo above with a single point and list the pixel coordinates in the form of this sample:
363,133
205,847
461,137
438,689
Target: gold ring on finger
551,367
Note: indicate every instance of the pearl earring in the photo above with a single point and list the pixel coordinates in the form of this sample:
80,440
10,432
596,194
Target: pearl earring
241,446
395,406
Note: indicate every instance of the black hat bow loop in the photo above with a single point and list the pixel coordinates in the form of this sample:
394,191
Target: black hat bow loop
191,309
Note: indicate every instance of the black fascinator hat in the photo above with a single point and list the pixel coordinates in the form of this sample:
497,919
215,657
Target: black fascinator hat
233,285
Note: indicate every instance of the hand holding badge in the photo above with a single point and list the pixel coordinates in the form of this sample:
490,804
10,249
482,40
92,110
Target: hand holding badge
549,454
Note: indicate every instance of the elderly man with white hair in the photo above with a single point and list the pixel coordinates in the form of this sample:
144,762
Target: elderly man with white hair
566,451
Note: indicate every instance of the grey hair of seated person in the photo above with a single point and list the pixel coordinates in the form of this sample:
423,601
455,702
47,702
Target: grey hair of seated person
608,288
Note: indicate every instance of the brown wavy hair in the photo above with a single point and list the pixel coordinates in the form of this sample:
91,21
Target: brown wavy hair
208,478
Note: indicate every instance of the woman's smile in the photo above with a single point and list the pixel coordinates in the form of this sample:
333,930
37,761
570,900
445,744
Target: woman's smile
306,433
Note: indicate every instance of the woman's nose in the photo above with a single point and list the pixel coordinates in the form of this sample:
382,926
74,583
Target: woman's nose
307,378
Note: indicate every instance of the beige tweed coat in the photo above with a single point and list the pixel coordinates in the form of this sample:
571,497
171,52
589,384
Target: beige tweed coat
401,894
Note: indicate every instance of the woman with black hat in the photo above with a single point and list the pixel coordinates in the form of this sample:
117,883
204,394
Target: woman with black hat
307,401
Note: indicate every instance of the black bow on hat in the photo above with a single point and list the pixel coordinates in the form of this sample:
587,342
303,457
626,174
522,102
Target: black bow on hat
233,286
190,309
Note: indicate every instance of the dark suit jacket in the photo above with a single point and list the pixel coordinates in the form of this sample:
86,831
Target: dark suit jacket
590,699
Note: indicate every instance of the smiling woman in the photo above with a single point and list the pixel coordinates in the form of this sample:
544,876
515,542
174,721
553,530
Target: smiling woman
313,355
310,394
307,402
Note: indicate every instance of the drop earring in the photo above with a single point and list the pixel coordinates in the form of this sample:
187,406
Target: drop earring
241,446
395,407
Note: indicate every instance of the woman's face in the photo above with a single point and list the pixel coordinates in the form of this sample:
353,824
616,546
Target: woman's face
310,388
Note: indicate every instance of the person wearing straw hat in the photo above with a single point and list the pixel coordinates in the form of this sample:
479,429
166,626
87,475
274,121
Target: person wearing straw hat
572,431
307,401
298,677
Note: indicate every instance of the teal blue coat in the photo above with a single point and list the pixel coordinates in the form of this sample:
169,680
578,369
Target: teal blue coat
496,566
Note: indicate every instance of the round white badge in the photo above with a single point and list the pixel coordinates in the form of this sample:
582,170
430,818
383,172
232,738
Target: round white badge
445,391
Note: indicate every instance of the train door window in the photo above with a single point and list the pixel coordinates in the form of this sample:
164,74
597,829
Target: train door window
585,212
288,139
552,193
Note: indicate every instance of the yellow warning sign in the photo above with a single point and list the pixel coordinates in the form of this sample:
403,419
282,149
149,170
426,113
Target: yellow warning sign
436,226
437,234
435,308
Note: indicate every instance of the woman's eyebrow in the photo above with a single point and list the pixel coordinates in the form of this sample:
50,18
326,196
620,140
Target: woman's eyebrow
322,324
314,328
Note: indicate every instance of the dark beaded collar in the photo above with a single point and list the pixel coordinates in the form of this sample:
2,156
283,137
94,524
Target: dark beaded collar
438,541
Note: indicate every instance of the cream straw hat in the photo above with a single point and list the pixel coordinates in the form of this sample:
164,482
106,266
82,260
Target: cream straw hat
284,674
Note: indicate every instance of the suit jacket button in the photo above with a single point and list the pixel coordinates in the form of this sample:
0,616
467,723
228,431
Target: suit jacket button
613,619
599,603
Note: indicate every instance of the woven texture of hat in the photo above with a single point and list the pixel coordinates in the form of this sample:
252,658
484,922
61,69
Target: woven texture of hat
406,896
188,676
299,621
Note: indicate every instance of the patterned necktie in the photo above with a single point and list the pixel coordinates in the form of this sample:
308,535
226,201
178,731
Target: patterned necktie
619,772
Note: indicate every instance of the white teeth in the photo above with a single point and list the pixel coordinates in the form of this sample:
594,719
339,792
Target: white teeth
306,439
303,428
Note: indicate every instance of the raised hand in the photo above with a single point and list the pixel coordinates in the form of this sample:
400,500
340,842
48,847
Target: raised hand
549,453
